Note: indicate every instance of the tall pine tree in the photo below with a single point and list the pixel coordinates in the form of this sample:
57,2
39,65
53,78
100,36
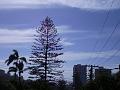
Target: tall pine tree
45,64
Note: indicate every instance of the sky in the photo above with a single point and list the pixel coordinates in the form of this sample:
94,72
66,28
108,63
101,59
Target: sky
89,30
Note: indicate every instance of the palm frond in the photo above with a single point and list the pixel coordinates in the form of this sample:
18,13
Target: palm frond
12,69
10,59
6,60
16,53
23,59
20,66
16,64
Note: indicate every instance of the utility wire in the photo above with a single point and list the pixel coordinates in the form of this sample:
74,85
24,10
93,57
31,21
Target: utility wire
108,39
102,28
116,52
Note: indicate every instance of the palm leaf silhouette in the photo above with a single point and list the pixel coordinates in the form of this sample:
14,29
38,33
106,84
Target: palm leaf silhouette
12,69
10,59
16,53
23,59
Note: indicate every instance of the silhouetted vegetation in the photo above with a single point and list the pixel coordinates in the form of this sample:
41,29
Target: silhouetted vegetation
101,83
104,82
44,62
18,65
10,83
6,84
44,67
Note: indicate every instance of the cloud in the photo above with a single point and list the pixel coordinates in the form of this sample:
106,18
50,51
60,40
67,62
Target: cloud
74,56
27,35
82,4
16,36
3,65
65,42
67,29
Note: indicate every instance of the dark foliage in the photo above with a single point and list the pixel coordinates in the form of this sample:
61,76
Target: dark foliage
44,62
6,85
61,85
18,65
101,83
104,82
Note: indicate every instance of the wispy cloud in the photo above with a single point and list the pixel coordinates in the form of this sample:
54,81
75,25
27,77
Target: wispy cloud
3,65
16,36
8,36
65,42
73,56
82,4
67,29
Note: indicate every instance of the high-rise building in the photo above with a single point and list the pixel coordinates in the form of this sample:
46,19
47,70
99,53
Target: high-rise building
102,71
79,75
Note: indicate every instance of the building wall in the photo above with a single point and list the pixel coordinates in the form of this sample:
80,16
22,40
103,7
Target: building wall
102,71
79,74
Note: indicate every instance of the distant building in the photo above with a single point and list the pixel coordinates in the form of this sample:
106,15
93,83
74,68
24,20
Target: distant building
102,71
79,75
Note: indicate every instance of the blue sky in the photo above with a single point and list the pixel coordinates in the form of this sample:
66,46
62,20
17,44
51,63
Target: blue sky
79,23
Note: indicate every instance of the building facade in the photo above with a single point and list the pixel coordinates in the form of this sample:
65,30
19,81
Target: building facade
102,71
79,75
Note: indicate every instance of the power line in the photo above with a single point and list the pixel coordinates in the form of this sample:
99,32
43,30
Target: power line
115,52
108,39
103,26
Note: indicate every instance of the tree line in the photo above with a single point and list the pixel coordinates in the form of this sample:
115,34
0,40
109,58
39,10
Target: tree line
44,64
